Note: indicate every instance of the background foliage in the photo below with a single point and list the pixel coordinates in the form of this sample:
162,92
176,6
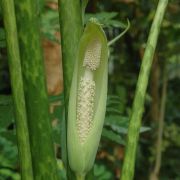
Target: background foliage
124,64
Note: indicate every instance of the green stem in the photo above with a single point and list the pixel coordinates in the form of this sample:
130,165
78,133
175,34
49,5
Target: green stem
41,141
157,166
138,104
71,30
17,89
120,35
80,177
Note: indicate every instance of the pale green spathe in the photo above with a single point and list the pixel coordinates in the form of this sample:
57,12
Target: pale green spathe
82,155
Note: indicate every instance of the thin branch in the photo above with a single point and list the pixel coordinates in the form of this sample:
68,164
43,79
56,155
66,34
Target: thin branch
138,104
157,167
120,35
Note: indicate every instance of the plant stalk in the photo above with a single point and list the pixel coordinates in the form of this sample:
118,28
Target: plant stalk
37,106
157,166
120,35
80,177
138,104
71,29
17,89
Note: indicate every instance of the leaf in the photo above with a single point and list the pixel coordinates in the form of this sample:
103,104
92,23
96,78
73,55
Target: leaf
106,19
56,98
118,120
9,174
118,129
9,135
57,116
113,110
8,153
50,24
6,109
101,172
119,124
2,38
5,100
109,134
2,34
114,101
144,129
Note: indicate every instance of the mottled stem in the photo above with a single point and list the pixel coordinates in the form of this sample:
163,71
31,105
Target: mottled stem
37,106
17,89
138,104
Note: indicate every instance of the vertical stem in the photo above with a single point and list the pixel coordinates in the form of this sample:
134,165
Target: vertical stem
154,112
154,90
157,167
42,149
17,89
80,177
71,29
138,104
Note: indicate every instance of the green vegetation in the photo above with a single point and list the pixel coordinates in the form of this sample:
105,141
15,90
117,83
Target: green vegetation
34,124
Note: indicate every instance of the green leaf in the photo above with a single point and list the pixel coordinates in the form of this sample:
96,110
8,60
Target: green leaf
144,129
8,173
101,172
6,109
118,120
106,19
50,24
2,38
109,134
